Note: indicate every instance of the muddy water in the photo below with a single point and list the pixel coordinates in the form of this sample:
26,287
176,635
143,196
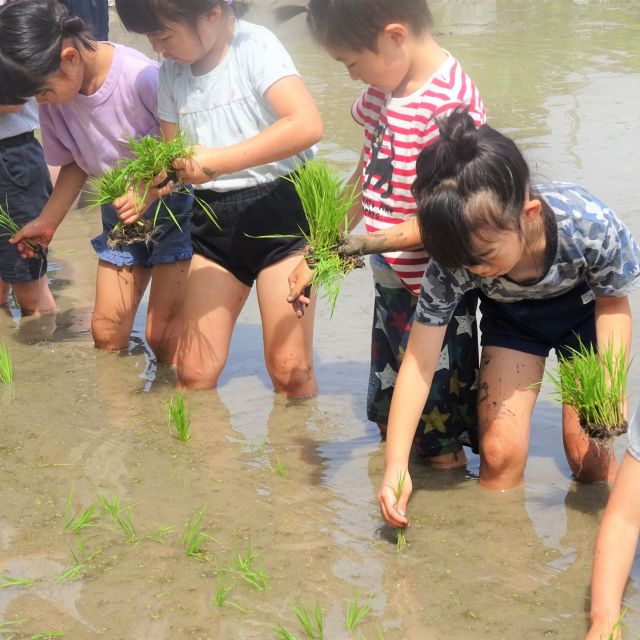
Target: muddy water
563,78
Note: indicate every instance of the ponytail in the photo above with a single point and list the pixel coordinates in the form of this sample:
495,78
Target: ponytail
32,35
283,14
470,183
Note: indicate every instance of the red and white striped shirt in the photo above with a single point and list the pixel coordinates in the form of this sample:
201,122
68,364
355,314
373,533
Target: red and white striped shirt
396,130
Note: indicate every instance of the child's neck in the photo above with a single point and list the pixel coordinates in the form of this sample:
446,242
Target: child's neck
97,65
214,56
426,57
531,266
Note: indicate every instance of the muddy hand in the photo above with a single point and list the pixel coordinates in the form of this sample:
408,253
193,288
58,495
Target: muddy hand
392,506
300,280
352,246
34,238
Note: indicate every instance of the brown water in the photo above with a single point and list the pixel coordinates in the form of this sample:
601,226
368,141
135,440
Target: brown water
564,79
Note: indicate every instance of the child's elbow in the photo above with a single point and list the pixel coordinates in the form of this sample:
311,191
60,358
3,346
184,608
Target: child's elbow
314,131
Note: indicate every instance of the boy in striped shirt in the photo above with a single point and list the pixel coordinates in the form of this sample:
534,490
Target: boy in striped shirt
387,44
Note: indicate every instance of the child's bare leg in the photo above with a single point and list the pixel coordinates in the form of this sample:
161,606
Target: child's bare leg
34,297
118,294
589,460
213,299
288,340
4,292
506,399
164,315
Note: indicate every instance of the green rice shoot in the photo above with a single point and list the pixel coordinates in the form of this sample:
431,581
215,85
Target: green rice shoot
122,516
48,634
6,364
7,581
222,591
279,468
195,537
244,567
178,417
80,559
594,384
401,540
355,612
11,227
312,622
326,201
77,522
283,633
110,186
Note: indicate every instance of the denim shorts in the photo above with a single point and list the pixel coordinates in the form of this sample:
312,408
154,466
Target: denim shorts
537,326
169,244
246,218
25,187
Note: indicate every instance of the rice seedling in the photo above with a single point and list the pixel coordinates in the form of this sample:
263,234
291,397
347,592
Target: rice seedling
110,186
326,202
279,468
244,567
79,562
77,522
11,227
121,516
594,384
616,630
194,537
6,364
7,581
355,612
9,627
283,634
312,622
178,416
222,591
401,540
48,634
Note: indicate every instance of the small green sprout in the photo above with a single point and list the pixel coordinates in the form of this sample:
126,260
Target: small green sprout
7,581
6,364
194,537
222,591
77,522
244,567
401,541
178,416
355,612
283,634
312,622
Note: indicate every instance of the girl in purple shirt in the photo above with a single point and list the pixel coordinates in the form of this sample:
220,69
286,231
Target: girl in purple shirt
93,97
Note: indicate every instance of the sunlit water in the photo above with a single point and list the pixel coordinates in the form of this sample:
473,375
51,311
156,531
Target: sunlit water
563,78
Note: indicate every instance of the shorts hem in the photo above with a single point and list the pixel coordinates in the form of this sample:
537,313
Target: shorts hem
516,345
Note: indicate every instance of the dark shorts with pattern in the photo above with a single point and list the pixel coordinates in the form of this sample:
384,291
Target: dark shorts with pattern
25,187
257,227
449,419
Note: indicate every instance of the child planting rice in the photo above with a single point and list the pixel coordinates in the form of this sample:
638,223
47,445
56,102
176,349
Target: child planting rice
554,266
95,96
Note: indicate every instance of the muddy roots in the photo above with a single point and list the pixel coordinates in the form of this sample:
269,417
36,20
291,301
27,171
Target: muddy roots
127,234
604,432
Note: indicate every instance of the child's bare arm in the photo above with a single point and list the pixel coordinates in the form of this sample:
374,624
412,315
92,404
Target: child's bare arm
40,231
399,237
615,549
409,397
297,128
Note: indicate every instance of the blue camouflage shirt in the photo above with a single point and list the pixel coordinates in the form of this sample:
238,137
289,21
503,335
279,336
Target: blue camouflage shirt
593,245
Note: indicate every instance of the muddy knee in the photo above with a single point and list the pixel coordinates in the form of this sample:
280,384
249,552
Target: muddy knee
108,333
292,379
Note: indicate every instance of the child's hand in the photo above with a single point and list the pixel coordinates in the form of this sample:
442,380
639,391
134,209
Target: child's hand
394,509
128,208
37,232
353,246
198,168
599,631
300,280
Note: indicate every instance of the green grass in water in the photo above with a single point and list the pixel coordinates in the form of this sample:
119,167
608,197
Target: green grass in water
6,364
7,581
222,591
179,417
244,567
195,537
77,522
312,621
401,540
594,384
326,202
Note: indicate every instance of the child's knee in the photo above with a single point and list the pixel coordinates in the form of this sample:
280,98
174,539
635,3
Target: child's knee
198,373
499,454
292,377
108,333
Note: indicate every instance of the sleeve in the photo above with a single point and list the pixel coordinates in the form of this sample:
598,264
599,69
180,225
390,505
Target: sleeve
440,294
167,105
56,153
612,256
357,108
147,88
267,60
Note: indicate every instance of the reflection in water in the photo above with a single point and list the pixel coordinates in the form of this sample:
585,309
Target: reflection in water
562,78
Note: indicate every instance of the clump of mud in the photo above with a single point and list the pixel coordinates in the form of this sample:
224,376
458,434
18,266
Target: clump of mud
126,234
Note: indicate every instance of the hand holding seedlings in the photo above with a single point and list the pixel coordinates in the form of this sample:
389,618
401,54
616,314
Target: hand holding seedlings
300,280
394,495
198,168
32,239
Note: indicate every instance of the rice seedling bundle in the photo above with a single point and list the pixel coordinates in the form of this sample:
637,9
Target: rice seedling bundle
178,417
6,364
11,227
594,384
326,202
355,612
401,541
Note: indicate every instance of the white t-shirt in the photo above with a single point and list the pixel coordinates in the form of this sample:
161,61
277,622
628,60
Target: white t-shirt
227,105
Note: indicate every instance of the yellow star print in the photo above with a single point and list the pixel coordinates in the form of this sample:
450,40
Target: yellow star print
435,420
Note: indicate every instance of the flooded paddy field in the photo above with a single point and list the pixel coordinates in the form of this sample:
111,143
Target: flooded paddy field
295,483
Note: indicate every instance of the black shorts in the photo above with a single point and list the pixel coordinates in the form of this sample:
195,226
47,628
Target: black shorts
537,326
271,209
25,187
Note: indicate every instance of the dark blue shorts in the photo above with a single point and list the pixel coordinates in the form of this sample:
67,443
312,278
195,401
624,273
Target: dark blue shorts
537,326
245,217
25,187
170,244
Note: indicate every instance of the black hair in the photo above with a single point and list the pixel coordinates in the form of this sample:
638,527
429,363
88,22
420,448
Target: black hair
32,33
470,183
147,16
356,24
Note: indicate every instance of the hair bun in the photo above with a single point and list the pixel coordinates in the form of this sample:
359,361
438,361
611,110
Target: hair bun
460,134
71,25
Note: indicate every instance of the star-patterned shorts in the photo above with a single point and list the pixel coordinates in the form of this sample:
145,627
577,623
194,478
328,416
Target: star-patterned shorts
449,419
